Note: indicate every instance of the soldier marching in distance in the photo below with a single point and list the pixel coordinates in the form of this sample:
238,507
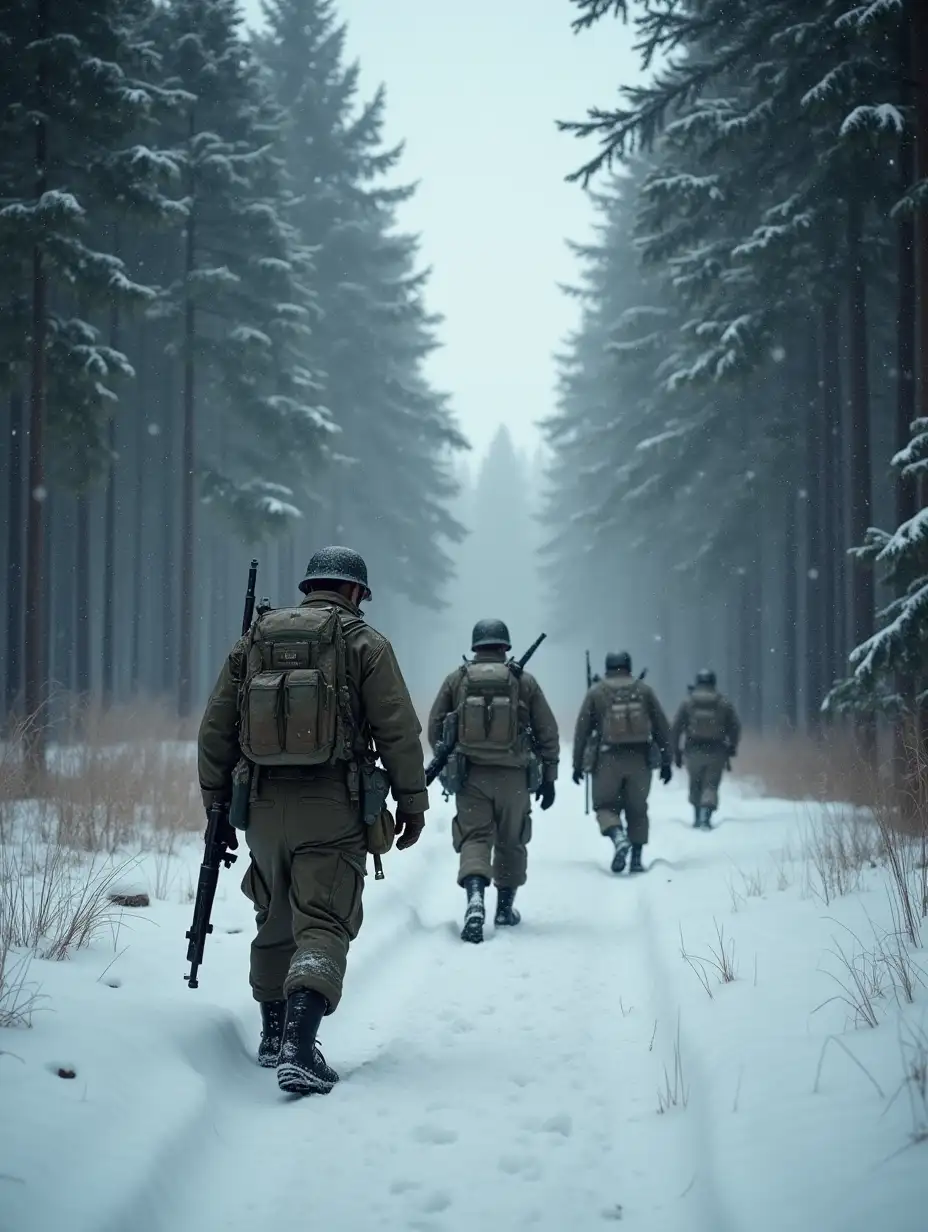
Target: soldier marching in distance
307,699
504,747
619,724
710,730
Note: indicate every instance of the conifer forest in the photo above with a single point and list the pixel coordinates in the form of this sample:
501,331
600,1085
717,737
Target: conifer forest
744,405
214,335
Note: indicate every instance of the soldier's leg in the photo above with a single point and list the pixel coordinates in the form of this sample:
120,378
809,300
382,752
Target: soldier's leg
637,790
607,787
267,884
694,769
473,827
513,815
328,865
711,779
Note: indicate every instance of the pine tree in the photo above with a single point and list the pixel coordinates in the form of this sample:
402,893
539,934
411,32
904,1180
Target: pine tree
390,480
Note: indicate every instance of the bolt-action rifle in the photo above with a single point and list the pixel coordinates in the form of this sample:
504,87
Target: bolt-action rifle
216,851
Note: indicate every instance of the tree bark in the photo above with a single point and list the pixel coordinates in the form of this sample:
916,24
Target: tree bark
791,608
831,480
14,556
34,650
109,532
188,489
813,525
138,528
83,680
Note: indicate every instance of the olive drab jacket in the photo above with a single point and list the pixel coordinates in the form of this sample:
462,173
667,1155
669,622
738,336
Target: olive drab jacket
532,701
598,701
379,699
729,722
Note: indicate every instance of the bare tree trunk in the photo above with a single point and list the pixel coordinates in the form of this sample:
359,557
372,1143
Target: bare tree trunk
791,608
109,533
815,616
169,524
832,529
83,678
14,555
138,527
188,480
34,650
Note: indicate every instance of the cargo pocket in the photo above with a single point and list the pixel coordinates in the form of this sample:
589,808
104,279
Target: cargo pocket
345,893
255,890
457,838
525,833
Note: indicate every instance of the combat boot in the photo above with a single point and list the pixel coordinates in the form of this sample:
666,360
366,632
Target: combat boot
697,816
621,844
506,914
273,1014
707,817
475,914
636,866
301,1069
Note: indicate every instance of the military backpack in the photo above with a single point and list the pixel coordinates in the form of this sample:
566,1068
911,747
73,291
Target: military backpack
489,723
294,703
627,719
705,722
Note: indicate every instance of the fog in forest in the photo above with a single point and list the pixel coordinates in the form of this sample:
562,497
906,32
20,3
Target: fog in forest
399,278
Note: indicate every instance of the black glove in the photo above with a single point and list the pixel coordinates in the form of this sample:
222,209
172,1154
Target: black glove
577,777
226,832
409,826
666,772
678,759
545,794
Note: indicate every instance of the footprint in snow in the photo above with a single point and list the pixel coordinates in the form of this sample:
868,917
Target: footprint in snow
402,1187
520,1165
561,1124
436,1202
437,1135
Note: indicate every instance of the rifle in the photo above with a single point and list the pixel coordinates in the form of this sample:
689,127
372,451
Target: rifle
215,853
215,849
445,747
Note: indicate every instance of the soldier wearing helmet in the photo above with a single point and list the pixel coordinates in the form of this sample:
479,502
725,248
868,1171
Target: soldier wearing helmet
506,747
303,704
619,721
705,735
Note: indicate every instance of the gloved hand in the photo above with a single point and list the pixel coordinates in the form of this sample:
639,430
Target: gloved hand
226,832
666,772
577,777
545,794
408,828
678,759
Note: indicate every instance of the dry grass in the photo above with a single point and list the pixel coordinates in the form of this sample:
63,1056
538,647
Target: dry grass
718,966
839,843
794,766
674,1093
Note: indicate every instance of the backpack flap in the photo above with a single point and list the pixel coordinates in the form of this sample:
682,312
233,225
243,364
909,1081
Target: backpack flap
489,726
626,720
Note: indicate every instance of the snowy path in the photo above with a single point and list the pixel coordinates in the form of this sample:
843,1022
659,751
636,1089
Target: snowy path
515,1084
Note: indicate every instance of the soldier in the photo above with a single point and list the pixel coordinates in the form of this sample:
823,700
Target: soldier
711,729
303,700
619,719
507,747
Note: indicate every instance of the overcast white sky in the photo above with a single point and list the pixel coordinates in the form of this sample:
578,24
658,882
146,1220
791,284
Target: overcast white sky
474,90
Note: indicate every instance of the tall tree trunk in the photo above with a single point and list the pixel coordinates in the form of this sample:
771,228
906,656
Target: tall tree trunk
188,493
814,521
168,680
83,680
791,608
14,555
832,522
138,528
109,532
34,650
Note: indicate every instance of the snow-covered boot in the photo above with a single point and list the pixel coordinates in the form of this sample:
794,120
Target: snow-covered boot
506,914
273,1014
301,1069
475,914
636,866
620,842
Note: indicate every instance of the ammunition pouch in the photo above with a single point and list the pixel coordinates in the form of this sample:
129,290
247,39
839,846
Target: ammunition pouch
379,826
535,772
590,758
241,794
454,775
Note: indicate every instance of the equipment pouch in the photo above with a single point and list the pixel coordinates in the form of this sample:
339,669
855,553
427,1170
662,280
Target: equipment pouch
590,757
375,787
534,773
380,833
241,793
454,775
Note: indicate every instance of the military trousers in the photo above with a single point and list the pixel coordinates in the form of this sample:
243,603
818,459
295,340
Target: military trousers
306,881
493,825
622,783
705,768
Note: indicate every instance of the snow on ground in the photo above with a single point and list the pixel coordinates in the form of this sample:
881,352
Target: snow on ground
572,1073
